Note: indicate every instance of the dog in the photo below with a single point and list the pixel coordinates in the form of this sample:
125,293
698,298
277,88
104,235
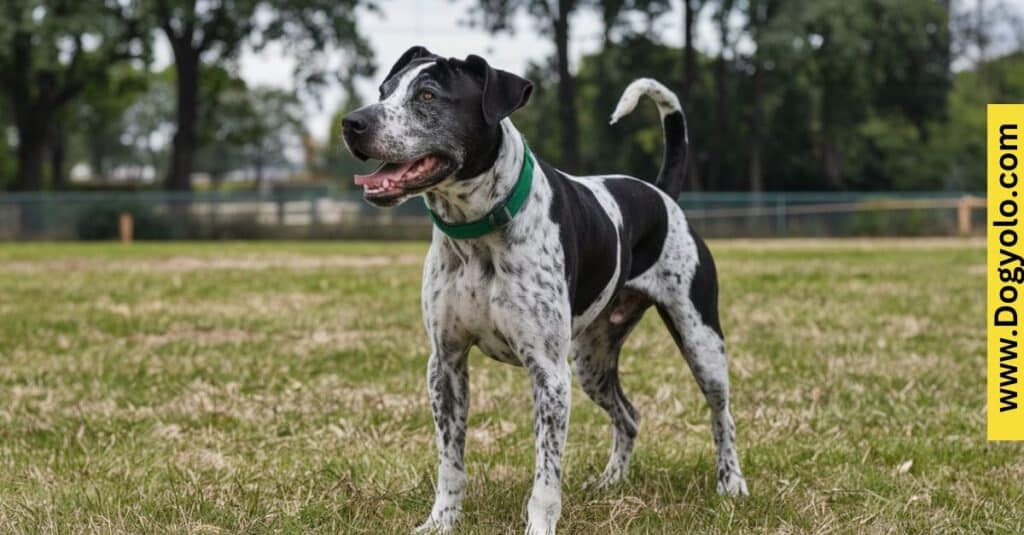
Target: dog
538,268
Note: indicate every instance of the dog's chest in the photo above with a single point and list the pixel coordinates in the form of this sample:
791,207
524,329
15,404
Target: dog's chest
487,296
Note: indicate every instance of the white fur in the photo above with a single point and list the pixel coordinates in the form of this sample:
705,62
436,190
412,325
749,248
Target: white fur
666,100
396,128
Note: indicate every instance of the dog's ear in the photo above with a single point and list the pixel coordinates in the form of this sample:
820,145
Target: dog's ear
410,55
504,92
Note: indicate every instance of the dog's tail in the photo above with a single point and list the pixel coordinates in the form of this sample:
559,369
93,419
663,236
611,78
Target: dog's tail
673,121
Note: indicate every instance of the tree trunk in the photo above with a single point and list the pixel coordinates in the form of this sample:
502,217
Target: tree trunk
32,125
566,93
31,115
31,155
755,141
183,149
689,58
31,152
97,157
832,161
58,149
831,154
714,180
689,75
718,132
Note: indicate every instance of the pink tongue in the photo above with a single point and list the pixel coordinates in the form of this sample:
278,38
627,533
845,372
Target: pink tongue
386,172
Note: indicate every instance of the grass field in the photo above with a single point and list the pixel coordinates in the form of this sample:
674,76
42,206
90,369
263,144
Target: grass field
281,388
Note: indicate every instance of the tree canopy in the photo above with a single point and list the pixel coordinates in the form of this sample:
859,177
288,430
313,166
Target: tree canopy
50,50
781,94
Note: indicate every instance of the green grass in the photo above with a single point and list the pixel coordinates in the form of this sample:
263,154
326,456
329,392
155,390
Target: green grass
281,388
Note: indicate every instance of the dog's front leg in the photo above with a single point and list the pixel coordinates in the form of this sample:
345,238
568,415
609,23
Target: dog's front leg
551,397
448,383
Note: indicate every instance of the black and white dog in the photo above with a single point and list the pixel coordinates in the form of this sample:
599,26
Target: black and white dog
536,267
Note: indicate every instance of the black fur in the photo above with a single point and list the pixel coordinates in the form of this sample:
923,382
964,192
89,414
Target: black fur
673,166
588,238
704,288
645,222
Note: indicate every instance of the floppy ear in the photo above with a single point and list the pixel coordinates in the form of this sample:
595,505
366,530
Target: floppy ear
410,55
504,92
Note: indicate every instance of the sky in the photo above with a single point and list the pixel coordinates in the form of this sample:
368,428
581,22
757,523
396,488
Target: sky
440,25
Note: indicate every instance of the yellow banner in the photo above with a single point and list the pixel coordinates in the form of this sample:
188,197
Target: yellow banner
1005,271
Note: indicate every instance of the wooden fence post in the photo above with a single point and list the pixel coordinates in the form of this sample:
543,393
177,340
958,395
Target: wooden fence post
963,216
127,226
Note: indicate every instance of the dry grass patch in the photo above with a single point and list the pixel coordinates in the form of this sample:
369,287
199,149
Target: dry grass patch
280,388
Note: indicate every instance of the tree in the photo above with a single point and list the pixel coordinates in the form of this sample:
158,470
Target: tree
148,126
602,77
552,16
201,32
101,113
249,128
49,51
691,11
760,14
984,29
869,60
8,162
276,125
722,94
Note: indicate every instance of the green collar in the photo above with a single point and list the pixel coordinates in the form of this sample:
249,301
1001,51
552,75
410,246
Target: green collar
501,215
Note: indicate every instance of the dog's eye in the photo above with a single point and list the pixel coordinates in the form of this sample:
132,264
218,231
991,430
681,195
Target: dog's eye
426,95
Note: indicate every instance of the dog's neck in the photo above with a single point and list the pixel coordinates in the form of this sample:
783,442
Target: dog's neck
463,200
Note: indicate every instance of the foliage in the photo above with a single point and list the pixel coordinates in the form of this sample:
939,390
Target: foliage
833,94
104,119
600,81
249,129
50,50
216,31
864,87
960,142
203,32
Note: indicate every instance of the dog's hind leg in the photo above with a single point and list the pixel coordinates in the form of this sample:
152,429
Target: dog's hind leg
692,318
596,365
705,354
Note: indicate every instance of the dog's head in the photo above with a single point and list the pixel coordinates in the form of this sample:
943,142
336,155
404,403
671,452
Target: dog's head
436,119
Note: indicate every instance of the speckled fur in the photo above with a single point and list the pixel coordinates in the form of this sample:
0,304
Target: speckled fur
508,293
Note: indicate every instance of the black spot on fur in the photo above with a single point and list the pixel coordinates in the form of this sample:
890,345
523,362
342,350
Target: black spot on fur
704,288
588,237
645,221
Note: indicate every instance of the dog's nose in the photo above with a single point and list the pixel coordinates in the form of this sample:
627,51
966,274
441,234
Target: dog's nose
355,122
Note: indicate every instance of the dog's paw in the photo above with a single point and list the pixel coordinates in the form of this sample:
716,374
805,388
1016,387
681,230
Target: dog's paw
543,511
608,479
535,528
733,485
430,527
437,524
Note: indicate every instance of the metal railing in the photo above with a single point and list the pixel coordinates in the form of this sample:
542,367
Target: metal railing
344,215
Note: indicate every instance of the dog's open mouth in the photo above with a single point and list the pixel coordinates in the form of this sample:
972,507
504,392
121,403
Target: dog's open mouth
393,179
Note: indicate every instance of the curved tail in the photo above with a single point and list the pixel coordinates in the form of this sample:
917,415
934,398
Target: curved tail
673,121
